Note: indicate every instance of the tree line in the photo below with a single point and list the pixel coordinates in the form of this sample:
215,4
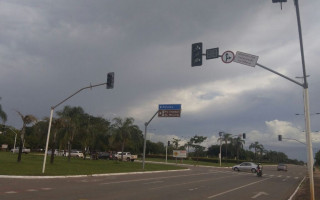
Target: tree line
73,128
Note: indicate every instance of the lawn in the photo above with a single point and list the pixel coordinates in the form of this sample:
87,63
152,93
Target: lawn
192,162
31,164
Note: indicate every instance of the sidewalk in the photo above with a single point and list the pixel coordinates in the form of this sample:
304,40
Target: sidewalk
304,190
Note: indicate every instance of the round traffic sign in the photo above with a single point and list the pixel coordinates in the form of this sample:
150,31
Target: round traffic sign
227,57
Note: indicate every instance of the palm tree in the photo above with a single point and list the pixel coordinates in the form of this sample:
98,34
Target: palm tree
75,117
58,126
28,119
123,130
226,138
3,115
256,146
238,142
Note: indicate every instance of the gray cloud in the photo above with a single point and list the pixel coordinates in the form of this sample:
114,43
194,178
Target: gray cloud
50,49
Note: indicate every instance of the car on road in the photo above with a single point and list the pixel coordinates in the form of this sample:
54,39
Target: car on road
246,166
282,167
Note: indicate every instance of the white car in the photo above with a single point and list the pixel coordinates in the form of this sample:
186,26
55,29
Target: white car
75,153
24,150
246,166
55,152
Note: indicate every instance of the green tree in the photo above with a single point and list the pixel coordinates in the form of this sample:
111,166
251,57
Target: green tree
175,142
195,143
317,157
27,119
75,118
3,115
226,137
214,150
58,125
257,148
123,129
238,143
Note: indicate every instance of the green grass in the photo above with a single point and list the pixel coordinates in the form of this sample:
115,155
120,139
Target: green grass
192,162
31,164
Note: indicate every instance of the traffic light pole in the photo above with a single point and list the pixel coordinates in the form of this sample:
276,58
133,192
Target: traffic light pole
306,107
50,121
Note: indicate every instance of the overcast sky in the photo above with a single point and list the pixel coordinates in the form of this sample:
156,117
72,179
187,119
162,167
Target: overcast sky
51,49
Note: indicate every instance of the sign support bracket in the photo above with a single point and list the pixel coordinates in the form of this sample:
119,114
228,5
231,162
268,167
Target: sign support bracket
145,139
283,76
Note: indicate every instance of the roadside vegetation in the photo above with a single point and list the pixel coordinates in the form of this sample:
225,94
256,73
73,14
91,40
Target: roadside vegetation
31,165
73,128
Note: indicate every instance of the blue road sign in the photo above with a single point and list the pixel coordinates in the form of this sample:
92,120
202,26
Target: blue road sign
169,106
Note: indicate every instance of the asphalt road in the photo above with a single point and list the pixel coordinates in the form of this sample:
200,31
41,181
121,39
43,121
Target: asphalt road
196,183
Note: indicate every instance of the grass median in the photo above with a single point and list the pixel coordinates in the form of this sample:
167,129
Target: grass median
192,162
31,165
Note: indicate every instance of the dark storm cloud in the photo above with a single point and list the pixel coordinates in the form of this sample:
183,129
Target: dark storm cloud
50,49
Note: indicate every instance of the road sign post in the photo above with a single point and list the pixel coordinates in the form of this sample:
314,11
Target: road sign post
167,110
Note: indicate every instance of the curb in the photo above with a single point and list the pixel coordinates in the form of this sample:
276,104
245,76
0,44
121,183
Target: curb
90,175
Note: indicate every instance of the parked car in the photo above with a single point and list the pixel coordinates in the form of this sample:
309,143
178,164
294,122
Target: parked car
75,153
24,150
246,166
126,156
282,167
105,155
55,152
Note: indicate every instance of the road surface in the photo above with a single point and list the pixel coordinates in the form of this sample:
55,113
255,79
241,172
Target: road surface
196,183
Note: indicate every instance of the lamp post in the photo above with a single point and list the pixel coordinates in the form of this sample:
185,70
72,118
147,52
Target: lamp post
306,101
110,85
15,139
220,135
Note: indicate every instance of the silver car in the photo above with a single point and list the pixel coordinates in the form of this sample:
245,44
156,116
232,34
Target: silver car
246,166
282,167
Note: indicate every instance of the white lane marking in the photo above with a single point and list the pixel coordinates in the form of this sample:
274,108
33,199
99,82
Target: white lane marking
11,192
163,177
31,190
279,176
46,188
154,182
191,182
296,177
259,194
222,193
192,189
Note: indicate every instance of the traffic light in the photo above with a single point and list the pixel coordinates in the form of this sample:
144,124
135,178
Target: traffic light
168,143
280,137
196,54
110,80
244,135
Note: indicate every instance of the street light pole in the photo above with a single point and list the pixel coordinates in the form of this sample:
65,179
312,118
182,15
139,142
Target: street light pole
220,134
145,139
15,139
50,122
306,107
